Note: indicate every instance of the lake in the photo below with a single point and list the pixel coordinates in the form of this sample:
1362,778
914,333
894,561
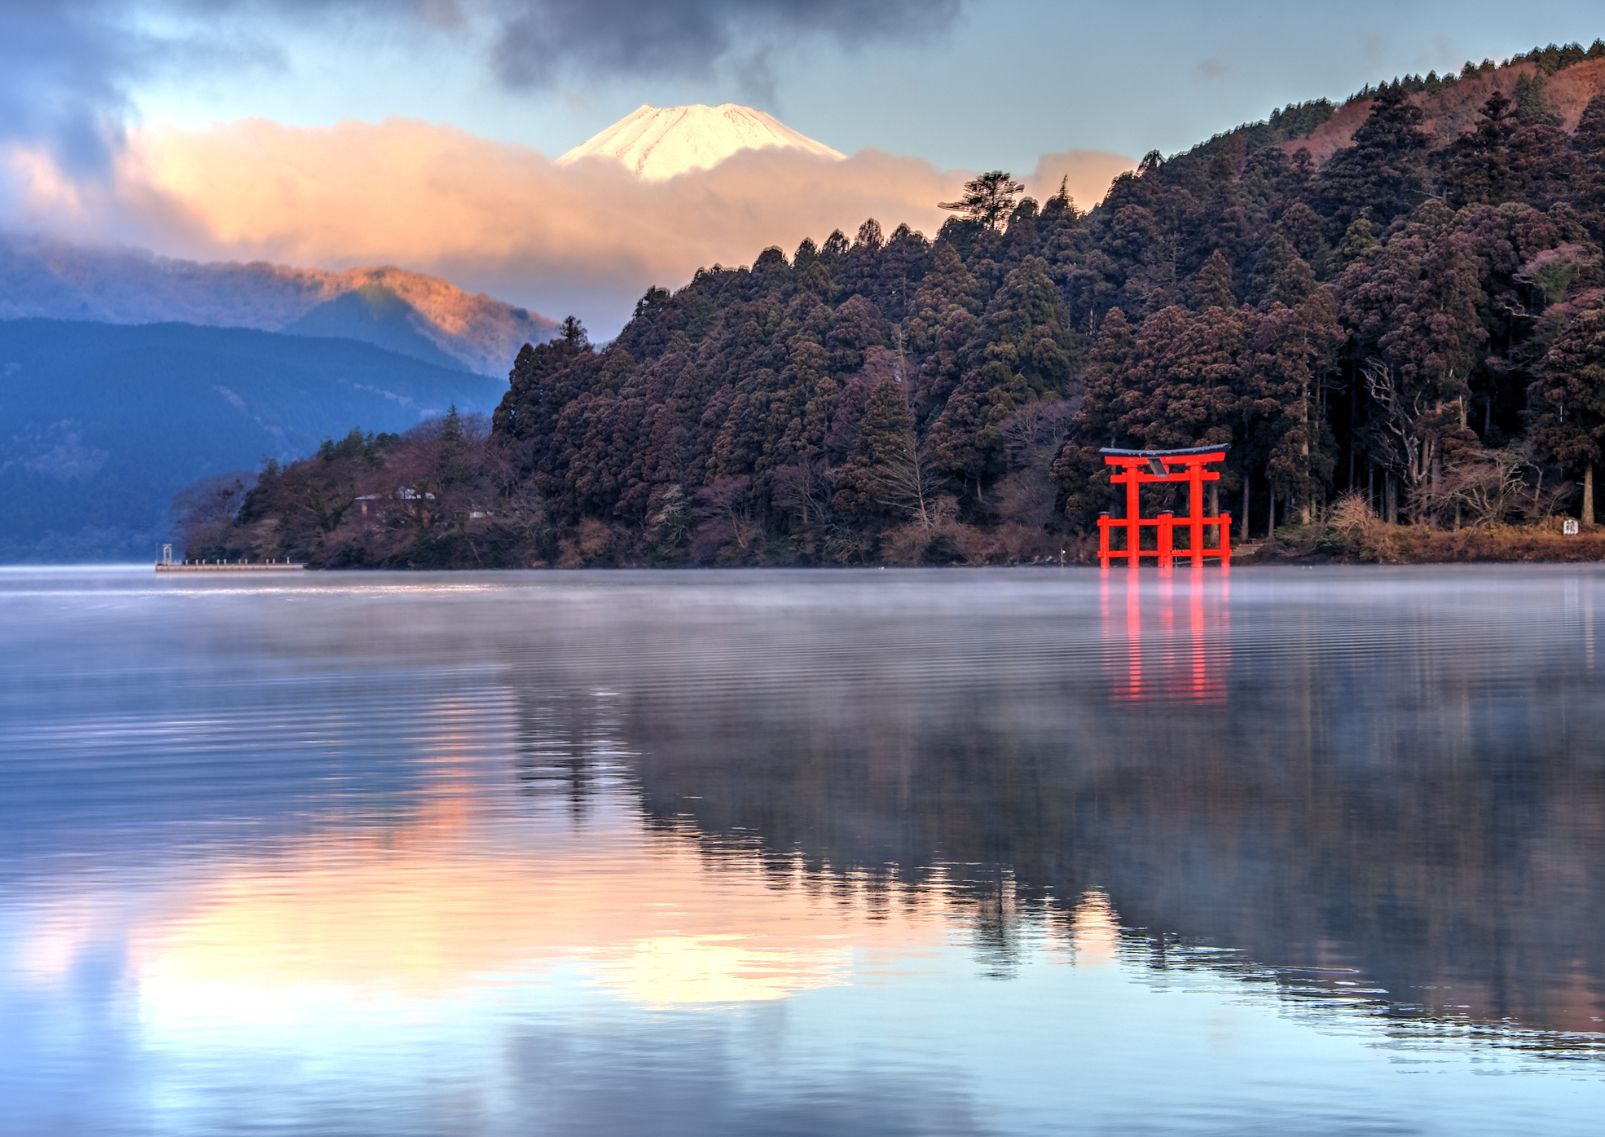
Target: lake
1036,851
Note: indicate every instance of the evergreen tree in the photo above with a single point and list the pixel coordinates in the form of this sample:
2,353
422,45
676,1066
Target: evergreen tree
884,475
1280,274
1568,401
1212,287
1027,355
1414,319
1384,173
1359,243
988,200
1588,165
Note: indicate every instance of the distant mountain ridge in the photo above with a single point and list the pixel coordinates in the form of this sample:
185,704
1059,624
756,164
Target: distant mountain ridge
657,143
102,424
375,314
408,312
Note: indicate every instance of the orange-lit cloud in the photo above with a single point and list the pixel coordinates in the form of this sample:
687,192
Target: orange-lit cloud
1086,174
587,238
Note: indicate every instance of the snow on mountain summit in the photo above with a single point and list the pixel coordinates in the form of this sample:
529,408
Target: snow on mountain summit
657,143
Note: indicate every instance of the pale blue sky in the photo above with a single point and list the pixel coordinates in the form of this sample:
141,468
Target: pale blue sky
996,83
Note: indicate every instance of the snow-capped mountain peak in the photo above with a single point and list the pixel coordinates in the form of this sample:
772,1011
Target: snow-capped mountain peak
657,143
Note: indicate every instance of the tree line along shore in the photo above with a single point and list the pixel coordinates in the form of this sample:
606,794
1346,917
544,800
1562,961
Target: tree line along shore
1392,309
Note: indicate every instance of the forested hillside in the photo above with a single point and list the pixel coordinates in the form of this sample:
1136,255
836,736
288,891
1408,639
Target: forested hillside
1407,312
101,424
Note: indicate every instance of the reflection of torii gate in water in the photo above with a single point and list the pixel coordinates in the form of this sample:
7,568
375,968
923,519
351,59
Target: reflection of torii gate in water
1153,659
1137,468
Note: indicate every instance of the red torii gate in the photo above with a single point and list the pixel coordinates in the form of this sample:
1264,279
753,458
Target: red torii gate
1137,468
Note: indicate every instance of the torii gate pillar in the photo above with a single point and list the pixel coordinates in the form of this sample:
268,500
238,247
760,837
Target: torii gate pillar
1137,468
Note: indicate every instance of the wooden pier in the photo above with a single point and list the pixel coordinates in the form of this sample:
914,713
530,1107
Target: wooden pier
168,564
231,566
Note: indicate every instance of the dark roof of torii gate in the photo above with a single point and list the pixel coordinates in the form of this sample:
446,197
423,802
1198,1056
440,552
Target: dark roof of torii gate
1118,453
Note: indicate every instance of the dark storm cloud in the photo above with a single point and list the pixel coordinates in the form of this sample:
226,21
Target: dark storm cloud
67,66
541,42
62,78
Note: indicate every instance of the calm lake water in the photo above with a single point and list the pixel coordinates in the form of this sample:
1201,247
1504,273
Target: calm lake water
1314,851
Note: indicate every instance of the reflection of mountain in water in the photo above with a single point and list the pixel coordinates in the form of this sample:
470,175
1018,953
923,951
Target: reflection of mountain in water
1407,805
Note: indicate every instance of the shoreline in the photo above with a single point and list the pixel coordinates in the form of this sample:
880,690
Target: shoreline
1277,555
1371,542
1376,542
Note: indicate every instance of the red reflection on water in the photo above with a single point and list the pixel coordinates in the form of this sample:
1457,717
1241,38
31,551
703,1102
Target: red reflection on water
1150,658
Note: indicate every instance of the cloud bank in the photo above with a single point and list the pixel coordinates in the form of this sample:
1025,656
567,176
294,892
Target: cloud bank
587,238
76,162
69,68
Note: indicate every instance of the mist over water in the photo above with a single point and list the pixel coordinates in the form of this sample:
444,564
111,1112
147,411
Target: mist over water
1034,851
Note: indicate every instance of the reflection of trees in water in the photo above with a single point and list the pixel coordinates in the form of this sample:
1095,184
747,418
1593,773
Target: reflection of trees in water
569,741
1369,809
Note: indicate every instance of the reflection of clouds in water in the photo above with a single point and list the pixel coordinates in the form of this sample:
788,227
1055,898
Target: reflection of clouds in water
686,971
420,923
344,951
1094,931
60,936
446,900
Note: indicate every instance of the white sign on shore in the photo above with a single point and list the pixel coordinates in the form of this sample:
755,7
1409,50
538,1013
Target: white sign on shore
1569,527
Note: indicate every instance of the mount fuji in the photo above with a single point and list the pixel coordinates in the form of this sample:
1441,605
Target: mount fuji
658,143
